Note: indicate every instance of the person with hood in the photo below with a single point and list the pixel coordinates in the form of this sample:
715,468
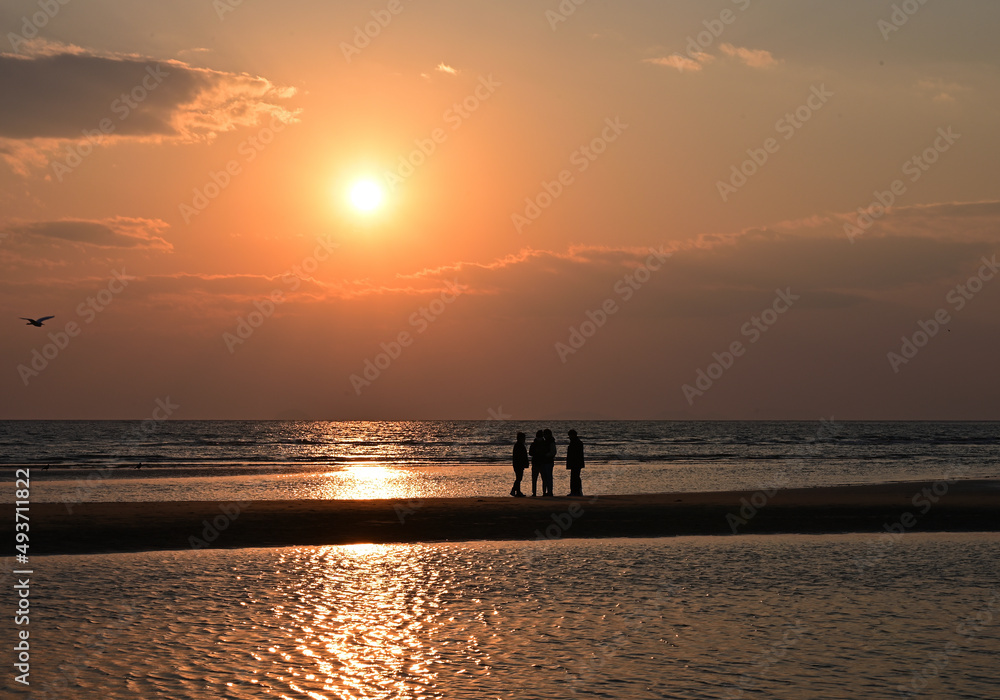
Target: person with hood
574,462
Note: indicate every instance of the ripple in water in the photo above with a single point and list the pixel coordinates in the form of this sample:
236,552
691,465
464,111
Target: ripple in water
780,617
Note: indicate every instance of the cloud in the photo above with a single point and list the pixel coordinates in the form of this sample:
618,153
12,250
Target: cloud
940,90
694,62
115,232
911,248
755,58
707,276
955,221
681,63
445,68
721,274
65,92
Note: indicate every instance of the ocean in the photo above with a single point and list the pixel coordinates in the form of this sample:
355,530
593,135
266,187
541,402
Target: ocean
781,616
257,460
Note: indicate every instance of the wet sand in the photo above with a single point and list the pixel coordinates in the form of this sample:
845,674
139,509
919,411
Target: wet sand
964,506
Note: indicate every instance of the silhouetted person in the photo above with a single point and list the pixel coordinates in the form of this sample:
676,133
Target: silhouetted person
520,464
549,462
537,452
574,462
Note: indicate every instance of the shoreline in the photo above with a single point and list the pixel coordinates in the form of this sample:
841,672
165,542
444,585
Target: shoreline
895,508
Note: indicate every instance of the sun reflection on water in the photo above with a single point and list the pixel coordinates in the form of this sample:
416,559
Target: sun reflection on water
373,648
367,481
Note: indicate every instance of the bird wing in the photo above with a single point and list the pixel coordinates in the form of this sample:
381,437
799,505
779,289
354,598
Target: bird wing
45,318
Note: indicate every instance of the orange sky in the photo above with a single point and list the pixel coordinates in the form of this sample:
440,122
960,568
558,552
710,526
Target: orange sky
633,210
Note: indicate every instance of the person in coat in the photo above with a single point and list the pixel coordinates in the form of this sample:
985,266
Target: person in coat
574,462
520,464
549,462
537,453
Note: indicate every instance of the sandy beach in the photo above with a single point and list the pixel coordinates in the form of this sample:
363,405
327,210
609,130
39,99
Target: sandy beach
901,507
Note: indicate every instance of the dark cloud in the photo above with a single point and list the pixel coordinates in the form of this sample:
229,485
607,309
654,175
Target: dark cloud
760,259
909,248
58,96
116,232
952,220
58,93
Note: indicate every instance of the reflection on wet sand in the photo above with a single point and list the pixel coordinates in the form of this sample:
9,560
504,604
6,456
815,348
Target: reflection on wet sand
630,619
370,481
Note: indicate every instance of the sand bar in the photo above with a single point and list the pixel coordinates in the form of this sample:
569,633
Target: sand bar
964,506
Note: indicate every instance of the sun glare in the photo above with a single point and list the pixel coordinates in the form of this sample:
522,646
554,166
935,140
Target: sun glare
366,195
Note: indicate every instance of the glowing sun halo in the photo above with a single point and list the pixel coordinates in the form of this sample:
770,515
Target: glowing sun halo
366,195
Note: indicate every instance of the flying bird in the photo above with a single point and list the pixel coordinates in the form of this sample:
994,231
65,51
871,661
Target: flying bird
36,321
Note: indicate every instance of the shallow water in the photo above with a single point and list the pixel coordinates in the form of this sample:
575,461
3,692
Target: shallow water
777,617
407,482
256,460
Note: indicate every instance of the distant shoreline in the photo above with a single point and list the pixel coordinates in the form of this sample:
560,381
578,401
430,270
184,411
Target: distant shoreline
891,509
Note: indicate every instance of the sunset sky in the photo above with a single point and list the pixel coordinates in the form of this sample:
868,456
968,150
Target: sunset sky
555,224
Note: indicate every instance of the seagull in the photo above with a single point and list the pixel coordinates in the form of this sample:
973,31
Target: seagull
36,321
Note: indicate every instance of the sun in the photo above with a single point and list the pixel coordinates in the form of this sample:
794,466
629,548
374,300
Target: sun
366,195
